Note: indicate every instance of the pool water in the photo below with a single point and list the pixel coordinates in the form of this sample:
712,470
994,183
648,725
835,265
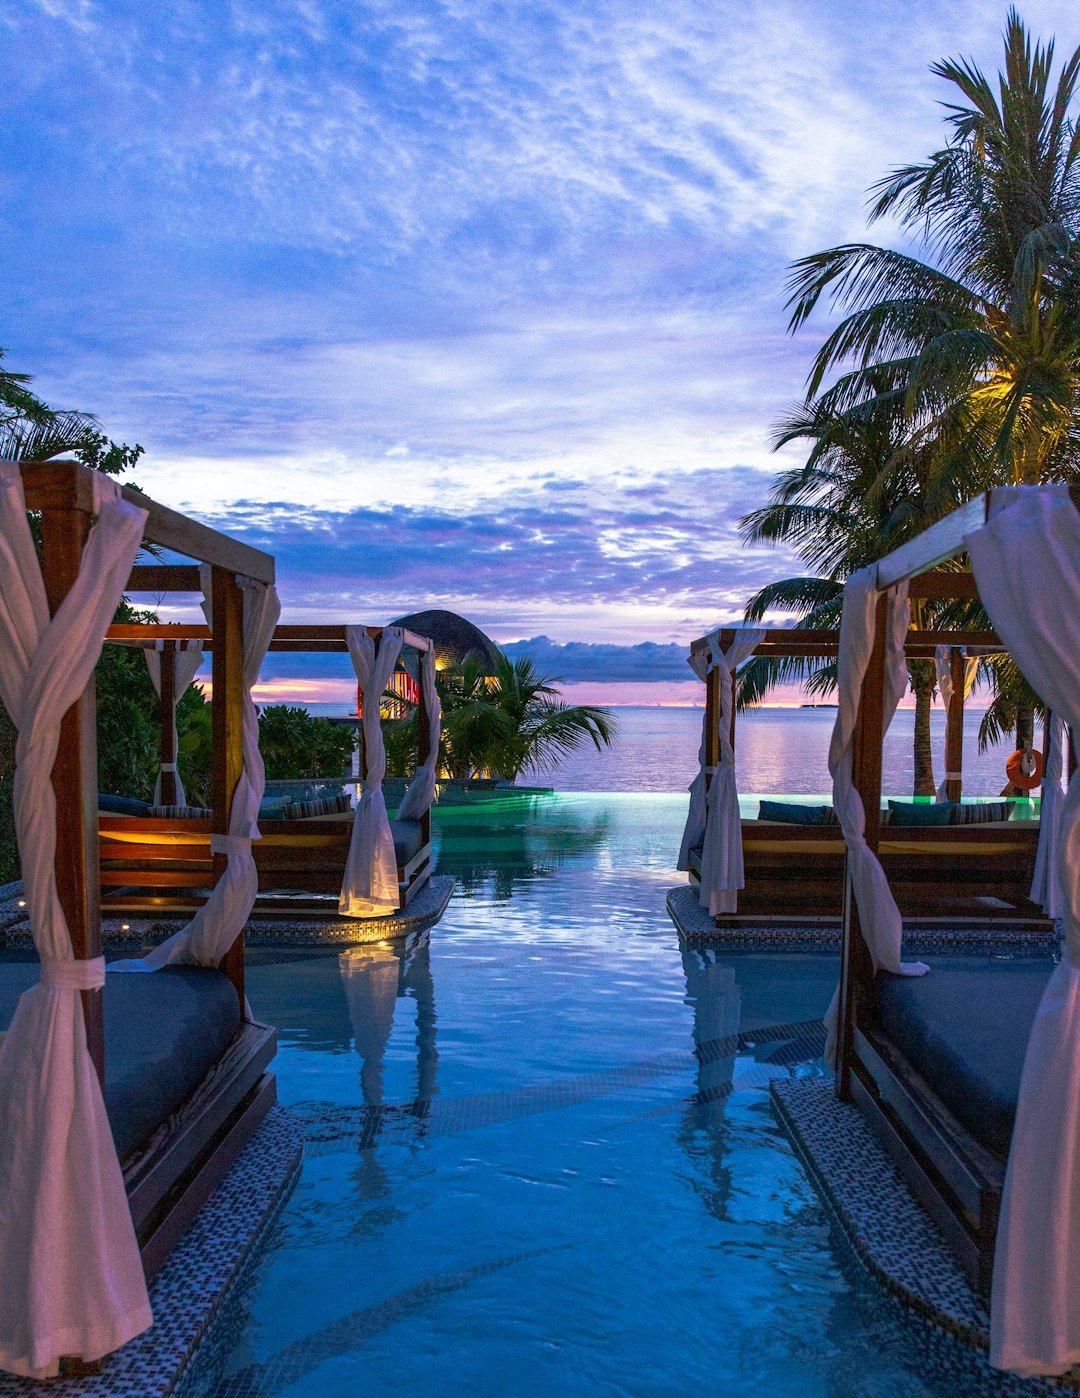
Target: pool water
540,1156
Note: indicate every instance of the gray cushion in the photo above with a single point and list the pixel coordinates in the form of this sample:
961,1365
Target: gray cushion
163,1032
964,1027
408,837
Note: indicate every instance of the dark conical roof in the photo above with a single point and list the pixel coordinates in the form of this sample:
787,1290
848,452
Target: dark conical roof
454,637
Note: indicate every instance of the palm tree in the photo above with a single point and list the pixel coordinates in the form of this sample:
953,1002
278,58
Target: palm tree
981,342
32,431
504,723
860,491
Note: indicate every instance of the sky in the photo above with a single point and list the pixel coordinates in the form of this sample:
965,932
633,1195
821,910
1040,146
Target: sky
456,303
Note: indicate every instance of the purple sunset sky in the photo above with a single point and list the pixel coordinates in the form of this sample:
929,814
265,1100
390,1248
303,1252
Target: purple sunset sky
455,303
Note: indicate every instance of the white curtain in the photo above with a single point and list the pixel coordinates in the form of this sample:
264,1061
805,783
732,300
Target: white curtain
221,919
943,669
722,852
1044,885
370,885
879,917
694,831
421,792
72,1278
1026,561
186,664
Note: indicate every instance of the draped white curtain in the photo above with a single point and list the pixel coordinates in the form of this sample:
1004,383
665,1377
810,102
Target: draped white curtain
694,830
370,885
943,669
186,664
72,1280
421,792
1026,561
221,919
879,917
1044,885
722,852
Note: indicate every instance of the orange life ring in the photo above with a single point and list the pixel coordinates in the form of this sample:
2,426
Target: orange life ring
1025,768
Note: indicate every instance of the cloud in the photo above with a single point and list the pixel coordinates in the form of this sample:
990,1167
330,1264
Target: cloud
580,661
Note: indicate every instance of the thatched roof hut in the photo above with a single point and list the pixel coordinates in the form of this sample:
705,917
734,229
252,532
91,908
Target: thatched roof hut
454,637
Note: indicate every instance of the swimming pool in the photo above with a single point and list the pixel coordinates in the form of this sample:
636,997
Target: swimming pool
540,1156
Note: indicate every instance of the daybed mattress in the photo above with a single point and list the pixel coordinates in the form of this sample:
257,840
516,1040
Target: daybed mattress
964,1027
163,1032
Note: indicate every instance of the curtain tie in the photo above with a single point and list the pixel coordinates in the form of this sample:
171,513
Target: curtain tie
168,766
58,973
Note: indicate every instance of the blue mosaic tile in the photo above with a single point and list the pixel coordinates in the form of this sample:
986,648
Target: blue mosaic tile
196,1286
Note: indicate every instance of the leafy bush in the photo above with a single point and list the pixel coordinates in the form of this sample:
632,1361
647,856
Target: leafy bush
294,744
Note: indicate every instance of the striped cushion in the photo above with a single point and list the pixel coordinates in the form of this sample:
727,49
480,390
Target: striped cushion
180,813
328,805
829,816
981,813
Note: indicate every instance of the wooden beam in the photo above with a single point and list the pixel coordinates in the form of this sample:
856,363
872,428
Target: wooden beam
165,711
165,577
227,701
942,541
954,727
63,484
64,531
944,587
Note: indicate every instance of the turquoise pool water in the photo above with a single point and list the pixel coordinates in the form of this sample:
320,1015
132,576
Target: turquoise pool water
540,1156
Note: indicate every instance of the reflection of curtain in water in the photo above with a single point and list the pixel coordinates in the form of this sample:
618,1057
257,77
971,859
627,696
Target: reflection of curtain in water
416,977
713,994
374,976
369,975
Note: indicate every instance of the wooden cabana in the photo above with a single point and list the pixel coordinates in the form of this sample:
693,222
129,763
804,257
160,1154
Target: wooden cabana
796,871
162,863
968,1066
117,1118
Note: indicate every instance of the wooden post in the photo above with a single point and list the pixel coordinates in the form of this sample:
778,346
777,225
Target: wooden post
75,779
954,727
227,720
166,707
712,721
423,750
856,968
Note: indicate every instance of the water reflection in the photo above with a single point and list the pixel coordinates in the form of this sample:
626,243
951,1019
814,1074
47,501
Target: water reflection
714,996
374,977
515,839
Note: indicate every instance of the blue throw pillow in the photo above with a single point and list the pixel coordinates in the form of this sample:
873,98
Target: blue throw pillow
920,812
275,808
122,805
788,813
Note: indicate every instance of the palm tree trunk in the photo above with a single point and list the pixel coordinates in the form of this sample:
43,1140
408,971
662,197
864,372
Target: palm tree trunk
922,683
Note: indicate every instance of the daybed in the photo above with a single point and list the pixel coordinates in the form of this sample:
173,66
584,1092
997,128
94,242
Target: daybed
795,870
125,1097
969,1071
162,863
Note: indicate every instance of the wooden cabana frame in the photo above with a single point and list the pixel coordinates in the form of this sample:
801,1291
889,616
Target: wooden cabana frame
953,1175
168,1182
796,873
159,864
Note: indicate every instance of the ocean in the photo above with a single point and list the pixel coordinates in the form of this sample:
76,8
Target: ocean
778,751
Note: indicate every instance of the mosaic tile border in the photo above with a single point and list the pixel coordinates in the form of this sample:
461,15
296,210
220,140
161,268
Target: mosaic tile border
695,925
888,1231
196,1287
134,933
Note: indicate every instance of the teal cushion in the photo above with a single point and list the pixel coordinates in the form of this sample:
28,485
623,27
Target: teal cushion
920,812
789,813
122,805
275,808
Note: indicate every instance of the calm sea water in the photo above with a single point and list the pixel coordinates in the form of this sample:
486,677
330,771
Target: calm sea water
777,750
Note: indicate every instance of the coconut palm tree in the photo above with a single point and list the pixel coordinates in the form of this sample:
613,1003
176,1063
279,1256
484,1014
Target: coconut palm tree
860,491
981,341
32,431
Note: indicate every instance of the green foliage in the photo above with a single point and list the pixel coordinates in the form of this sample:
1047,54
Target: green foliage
294,744
512,721
32,431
